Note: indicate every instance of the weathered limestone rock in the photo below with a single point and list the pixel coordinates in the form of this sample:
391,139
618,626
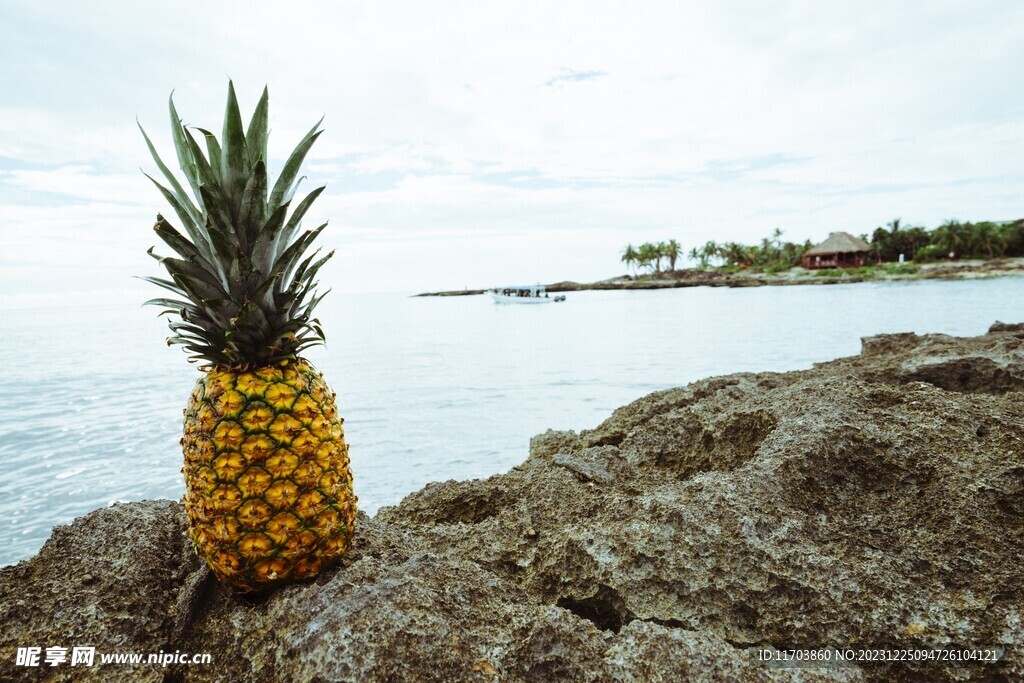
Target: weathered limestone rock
112,578
871,502
992,364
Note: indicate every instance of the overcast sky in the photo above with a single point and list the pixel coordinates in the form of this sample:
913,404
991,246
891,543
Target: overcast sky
480,143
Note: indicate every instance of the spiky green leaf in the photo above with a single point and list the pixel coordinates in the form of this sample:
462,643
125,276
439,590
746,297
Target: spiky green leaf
179,192
290,257
264,252
198,235
184,151
286,181
256,135
234,158
284,237
252,216
213,153
210,188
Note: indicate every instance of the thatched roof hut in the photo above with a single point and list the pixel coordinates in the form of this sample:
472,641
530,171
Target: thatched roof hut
840,250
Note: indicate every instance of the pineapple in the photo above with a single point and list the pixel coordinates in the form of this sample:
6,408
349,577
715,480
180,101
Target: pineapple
268,488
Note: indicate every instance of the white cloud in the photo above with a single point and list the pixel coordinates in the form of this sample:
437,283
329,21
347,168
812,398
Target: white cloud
79,182
459,130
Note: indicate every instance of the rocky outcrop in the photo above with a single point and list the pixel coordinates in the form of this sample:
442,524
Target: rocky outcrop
992,364
870,502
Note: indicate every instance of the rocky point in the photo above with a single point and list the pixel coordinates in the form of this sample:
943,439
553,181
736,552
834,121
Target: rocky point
873,502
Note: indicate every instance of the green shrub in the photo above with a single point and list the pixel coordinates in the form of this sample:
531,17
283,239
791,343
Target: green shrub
932,252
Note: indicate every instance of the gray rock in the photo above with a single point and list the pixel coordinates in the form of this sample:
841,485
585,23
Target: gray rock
593,469
998,326
871,502
110,580
992,364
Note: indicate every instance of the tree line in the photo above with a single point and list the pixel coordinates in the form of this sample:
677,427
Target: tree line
650,256
985,239
772,253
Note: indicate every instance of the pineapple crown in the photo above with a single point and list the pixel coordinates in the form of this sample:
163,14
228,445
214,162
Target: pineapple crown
246,294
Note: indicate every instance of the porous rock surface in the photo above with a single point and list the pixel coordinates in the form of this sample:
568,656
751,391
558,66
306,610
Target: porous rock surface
870,502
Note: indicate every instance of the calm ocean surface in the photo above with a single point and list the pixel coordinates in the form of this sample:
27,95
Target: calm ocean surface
431,389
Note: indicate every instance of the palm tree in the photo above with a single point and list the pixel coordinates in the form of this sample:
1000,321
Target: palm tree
1012,235
880,243
988,238
950,237
709,251
887,242
649,256
672,253
661,249
629,257
789,255
914,238
735,254
895,238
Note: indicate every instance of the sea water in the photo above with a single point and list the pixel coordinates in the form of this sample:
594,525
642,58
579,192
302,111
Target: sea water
431,388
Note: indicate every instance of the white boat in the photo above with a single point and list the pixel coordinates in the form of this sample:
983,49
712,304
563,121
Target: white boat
532,294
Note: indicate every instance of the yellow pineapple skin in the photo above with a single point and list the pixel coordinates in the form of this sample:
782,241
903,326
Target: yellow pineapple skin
268,489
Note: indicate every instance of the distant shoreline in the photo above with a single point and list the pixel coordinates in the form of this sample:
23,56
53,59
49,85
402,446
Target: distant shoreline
973,269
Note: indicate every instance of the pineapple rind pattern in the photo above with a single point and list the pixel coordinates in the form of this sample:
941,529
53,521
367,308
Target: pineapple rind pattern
268,486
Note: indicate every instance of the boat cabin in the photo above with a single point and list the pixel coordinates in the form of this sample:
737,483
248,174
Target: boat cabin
528,291
531,294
